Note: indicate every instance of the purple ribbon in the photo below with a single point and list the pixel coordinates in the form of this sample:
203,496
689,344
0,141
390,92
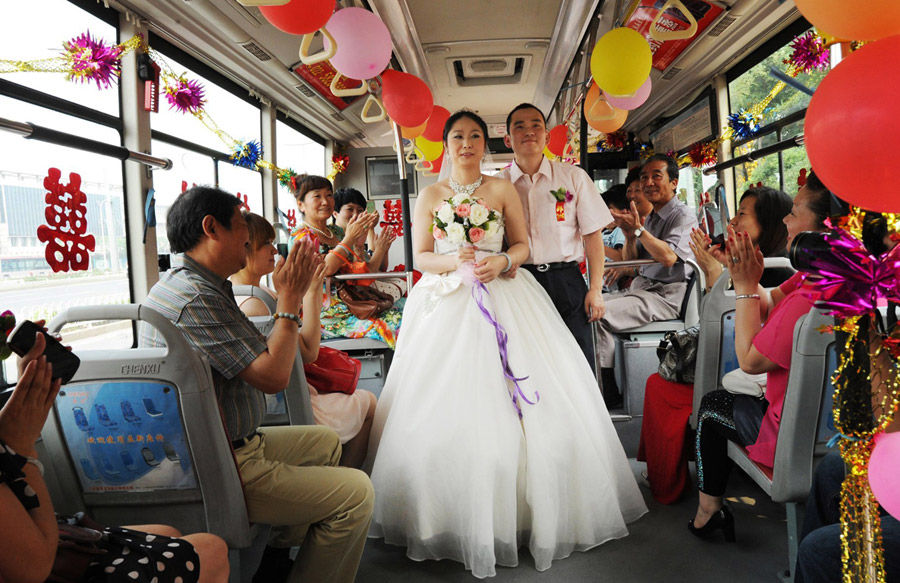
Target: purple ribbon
479,291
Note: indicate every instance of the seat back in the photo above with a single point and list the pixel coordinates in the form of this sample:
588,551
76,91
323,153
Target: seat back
292,406
136,436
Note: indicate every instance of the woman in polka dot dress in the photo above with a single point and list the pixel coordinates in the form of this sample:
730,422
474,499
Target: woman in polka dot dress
28,529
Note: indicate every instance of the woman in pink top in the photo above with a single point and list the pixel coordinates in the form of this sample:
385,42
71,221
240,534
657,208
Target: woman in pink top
746,420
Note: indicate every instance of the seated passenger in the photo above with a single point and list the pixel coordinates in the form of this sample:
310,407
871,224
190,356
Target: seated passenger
343,252
657,292
290,474
620,278
613,238
350,203
28,526
349,415
315,200
667,406
748,421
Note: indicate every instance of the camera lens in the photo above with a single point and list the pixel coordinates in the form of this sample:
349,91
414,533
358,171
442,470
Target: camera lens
805,247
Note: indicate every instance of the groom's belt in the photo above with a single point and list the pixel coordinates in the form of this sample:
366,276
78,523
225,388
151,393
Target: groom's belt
553,266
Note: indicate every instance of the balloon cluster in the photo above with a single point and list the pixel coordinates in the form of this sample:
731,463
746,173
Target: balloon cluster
358,45
858,95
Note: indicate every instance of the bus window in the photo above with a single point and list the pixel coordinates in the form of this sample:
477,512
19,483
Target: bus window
301,154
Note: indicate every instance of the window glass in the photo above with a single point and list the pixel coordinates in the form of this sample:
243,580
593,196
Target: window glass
234,116
753,86
793,159
694,187
245,183
26,112
765,170
188,169
28,286
27,36
301,154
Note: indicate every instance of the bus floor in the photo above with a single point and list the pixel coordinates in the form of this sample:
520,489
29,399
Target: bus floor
658,548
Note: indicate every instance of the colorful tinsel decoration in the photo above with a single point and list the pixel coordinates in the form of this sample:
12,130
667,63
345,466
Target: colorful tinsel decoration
184,95
339,163
744,124
703,154
92,59
615,141
285,176
247,154
7,323
645,151
809,54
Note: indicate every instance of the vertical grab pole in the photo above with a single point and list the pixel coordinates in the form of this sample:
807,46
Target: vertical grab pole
404,197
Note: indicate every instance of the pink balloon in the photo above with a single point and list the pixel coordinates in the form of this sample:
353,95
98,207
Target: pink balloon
363,43
883,472
631,101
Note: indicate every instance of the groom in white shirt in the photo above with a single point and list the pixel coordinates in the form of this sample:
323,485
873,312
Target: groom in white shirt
565,215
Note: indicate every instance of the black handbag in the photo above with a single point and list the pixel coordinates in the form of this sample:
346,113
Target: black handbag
677,354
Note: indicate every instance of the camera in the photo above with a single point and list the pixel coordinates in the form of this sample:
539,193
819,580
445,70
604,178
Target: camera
805,247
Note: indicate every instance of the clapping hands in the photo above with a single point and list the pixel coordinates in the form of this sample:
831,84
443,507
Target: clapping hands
294,274
359,226
627,220
745,262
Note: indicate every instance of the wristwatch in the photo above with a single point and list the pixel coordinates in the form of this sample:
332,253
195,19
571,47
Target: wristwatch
638,232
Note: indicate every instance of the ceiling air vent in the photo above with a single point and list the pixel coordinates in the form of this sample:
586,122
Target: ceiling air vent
255,50
337,116
671,73
359,136
306,91
493,70
720,26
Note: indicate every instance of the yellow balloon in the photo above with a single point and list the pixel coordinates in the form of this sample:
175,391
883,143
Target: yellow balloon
549,155
430,150
620,62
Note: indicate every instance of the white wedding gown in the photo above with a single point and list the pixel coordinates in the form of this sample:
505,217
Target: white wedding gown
457,475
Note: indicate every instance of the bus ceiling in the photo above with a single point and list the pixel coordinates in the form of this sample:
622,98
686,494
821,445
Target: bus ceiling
487,56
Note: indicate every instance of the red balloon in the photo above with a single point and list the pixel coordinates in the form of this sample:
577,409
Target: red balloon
557,139
407,99
299,16
434,130
435,165
851,122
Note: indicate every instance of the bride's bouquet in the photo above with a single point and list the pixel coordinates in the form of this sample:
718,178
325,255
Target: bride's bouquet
465,220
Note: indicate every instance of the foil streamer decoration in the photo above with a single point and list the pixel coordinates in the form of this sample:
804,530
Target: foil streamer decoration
285,176
184,95
92,59
809,54
247,154
852,281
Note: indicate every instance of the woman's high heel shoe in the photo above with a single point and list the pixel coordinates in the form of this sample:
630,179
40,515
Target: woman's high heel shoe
722,520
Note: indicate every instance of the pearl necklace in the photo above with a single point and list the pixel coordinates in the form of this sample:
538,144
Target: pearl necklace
325,234
465,189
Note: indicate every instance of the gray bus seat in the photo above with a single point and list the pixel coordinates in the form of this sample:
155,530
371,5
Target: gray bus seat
806,405
636,357
715,347
291,406
137,437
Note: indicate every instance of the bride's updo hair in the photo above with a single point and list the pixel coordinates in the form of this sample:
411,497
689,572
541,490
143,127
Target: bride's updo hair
469,114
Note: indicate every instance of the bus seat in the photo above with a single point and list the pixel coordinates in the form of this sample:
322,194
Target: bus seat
137,437
805,402
715,348
291,406
636,357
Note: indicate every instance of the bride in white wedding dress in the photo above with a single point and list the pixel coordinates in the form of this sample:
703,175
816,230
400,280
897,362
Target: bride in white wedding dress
469,465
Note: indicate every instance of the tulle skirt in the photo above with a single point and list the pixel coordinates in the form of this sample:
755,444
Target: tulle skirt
457,474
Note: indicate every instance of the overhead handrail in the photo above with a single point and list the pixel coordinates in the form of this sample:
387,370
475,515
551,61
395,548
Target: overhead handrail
757,154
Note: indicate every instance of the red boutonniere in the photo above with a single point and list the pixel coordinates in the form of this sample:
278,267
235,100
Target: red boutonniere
562,196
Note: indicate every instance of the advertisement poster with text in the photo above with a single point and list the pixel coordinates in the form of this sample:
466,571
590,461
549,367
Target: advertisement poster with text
644,12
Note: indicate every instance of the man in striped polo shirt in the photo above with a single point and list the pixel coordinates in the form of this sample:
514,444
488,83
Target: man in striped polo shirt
290,474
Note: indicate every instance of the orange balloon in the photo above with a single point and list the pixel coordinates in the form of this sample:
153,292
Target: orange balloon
556,139
596,108
612,124
860,20
410,133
